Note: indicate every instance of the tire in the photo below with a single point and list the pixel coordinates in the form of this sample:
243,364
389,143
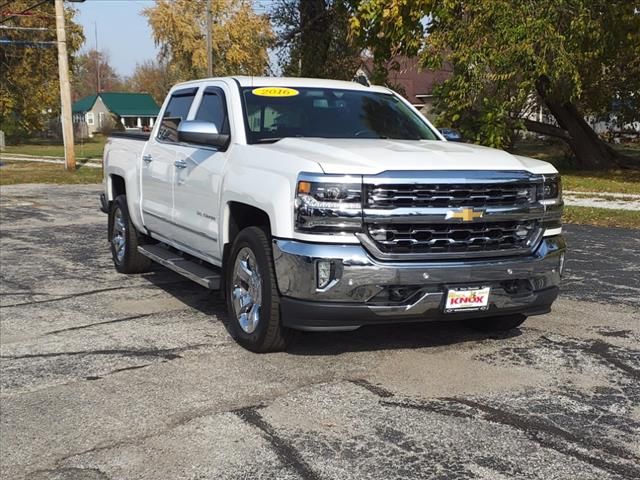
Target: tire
124,240
497,324
253,301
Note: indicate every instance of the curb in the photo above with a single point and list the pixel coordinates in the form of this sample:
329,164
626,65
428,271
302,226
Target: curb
54,160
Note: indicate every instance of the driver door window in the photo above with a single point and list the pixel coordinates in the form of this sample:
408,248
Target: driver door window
212,109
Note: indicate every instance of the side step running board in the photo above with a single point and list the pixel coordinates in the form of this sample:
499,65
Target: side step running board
206,276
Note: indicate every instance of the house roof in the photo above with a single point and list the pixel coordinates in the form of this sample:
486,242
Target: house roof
84,104
121,103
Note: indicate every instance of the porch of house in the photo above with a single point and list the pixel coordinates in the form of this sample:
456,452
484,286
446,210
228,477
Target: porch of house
136,122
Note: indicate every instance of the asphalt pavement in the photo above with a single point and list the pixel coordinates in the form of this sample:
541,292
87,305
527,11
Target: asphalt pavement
107,376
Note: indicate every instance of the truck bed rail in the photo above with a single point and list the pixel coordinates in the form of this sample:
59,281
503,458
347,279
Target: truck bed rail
144,136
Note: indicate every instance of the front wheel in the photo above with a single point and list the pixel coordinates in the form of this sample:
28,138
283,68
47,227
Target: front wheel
252,296
497,324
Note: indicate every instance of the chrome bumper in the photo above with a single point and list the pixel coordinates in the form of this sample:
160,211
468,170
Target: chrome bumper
365,290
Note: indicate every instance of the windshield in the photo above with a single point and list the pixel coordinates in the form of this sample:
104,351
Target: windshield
273,113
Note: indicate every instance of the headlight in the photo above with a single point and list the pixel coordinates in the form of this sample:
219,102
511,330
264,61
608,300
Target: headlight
328,204
551,189
550,195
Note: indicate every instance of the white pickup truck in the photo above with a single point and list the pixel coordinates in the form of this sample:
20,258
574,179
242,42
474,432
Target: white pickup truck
328,205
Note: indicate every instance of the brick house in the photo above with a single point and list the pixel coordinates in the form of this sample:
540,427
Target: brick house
414,83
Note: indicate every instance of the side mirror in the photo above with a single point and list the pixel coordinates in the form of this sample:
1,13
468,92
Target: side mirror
202,133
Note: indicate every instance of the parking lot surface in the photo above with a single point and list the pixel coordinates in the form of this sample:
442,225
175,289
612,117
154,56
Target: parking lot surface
106,376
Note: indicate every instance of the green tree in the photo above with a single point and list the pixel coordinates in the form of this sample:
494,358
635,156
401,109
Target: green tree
576,57
92,70
314,37
153,77
29,88
240,37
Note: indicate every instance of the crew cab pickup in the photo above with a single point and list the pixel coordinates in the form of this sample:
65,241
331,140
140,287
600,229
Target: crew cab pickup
328,205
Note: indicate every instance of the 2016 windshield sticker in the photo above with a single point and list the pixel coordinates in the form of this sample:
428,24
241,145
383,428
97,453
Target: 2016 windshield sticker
275,92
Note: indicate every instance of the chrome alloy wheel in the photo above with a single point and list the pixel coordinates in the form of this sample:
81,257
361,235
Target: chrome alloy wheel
119,235
246,290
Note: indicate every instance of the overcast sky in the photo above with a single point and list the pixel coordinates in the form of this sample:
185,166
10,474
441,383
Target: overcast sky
122,31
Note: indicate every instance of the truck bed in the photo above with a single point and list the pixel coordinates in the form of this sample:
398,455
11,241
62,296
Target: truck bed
144,136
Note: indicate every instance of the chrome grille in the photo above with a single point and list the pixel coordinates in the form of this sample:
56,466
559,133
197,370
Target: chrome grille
445,238
417,195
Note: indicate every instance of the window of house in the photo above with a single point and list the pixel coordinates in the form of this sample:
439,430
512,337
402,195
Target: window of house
89,118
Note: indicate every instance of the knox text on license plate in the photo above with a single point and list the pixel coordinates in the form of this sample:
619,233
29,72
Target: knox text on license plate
467,299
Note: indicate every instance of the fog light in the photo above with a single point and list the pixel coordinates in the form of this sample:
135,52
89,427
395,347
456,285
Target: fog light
522,231
323,273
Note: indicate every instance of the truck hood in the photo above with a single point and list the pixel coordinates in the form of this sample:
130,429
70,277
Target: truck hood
373,156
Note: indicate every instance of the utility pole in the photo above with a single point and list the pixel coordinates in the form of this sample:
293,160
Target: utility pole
209,41
98,87
65,89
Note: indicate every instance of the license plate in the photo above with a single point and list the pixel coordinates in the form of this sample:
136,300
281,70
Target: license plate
467,299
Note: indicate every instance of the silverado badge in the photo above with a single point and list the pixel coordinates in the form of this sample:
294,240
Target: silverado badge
465,214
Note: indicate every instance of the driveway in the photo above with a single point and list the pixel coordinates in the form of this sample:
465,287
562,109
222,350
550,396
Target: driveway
106,376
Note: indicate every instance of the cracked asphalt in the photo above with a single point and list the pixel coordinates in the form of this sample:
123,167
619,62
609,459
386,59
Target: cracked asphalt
106,376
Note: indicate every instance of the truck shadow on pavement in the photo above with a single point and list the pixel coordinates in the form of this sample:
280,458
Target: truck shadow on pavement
391,337
368,338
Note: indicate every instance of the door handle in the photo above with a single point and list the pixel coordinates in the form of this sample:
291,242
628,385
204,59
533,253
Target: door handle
147,158
180,164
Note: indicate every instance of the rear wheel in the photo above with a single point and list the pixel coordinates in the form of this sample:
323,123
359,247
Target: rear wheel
497,324
252,296
124,239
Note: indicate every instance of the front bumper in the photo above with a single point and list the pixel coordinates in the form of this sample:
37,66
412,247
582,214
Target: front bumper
364,290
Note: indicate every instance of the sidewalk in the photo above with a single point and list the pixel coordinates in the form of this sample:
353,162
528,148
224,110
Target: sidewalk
618,201
16,157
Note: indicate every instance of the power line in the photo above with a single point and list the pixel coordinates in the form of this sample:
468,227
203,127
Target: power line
39,29
27,43
32,15
24,11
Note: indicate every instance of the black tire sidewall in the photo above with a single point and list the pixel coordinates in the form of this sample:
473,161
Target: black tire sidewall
269,310
118,205
131,261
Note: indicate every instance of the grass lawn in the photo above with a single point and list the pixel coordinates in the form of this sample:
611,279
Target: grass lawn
34,172
609,181
602,217
90,148
614,181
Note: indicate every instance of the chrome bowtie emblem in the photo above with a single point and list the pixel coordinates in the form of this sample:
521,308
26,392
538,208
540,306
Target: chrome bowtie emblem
464,214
